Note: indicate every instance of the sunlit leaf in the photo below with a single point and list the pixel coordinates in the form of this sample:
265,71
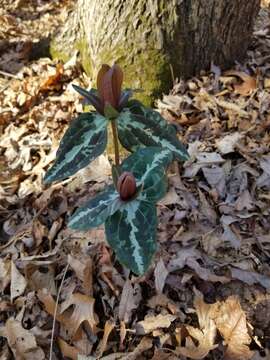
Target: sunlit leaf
85,139
139,127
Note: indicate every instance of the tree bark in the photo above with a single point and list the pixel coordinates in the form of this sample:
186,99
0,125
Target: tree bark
149,38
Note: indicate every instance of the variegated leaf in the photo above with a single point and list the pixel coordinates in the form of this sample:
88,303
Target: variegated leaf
139,126
131,232
148,166
85,139
95,212
155,186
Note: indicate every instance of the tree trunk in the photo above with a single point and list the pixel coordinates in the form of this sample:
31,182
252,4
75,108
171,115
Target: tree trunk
149,38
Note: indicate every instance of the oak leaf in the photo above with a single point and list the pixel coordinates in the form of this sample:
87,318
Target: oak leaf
231,322
204,336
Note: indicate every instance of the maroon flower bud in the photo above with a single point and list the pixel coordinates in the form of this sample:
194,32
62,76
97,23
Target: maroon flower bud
126,186
109,83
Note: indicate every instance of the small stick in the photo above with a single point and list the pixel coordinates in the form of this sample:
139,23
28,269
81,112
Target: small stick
55,310
9,75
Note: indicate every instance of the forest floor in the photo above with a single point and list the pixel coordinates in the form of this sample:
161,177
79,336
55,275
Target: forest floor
207,295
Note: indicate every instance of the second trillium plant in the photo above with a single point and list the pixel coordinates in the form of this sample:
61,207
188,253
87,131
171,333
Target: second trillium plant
128,206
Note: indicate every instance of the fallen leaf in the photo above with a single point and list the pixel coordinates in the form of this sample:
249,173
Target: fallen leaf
129,301
227,144
144,344
53,80
68,350
249,83
215,177
231,322
152,323
250,277
18,282
22,342
83,267
108,328
205,335
170,198
83,311
5,273
188,257
161,274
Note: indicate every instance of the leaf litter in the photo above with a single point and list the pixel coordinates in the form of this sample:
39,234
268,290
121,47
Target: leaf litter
207,294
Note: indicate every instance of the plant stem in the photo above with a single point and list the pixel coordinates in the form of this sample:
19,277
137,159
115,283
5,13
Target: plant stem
115,142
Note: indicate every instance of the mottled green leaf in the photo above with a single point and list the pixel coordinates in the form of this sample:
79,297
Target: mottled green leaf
131,232
95,211
154,187
85,139
148,166
139,126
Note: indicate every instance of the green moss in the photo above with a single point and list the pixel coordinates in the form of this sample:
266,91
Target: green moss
82,46
56,53
149,72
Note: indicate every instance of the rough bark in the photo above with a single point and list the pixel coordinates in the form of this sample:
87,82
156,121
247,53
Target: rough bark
149,37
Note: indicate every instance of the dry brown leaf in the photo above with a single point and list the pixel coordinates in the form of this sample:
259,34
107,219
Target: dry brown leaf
53,80
49,304
160,354
231,322
41,278
205,335
234,108
161,274
108,328
250,277
67,350
22,342
83,268
145,344
83,311
18,282
170,198
189,257
249,83
227,144
5,273
152,323
130,299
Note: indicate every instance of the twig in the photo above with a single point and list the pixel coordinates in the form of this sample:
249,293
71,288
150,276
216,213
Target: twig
55,310
9,75
172,74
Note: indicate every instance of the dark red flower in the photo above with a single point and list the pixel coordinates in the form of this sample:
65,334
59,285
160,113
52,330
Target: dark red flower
109,83
126,186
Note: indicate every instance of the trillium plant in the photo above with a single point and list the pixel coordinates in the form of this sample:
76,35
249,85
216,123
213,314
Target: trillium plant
128,206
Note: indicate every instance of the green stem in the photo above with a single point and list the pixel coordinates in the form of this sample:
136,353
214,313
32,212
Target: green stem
115,142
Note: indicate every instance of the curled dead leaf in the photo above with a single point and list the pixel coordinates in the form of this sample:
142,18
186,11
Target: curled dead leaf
152,323
22,342
83,311
231,322
248,85
204,336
